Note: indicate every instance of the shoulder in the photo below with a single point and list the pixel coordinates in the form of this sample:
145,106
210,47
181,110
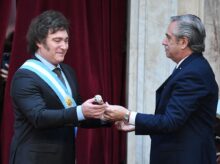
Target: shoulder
25,78
22,73
198,65
67,69
23,81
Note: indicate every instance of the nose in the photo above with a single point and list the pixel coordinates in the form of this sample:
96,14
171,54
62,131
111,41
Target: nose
164,42
64,45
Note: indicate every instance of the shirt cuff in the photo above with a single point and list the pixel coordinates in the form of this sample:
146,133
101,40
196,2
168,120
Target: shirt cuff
132,118
79,112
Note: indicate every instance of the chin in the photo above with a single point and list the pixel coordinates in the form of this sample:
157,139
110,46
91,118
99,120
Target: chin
57,62
60,59
167,55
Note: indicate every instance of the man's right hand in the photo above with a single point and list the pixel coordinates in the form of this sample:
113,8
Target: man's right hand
92,110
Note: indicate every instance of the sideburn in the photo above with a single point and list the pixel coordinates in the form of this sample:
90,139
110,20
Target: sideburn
45,45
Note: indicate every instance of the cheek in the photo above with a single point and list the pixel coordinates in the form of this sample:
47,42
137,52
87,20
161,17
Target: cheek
171,45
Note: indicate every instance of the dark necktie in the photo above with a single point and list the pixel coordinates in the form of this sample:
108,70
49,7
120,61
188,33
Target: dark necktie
59,75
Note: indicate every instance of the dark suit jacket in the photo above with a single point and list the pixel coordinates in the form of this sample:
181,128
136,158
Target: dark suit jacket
182,128
43,134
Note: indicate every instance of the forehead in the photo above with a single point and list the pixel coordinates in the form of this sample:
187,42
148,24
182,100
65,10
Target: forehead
171,27
58,34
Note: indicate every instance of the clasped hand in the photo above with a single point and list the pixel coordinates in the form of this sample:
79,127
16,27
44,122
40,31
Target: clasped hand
114,113
103,111
92,110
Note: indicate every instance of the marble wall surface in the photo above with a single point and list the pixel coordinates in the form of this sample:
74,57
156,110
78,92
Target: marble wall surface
212,24
147,65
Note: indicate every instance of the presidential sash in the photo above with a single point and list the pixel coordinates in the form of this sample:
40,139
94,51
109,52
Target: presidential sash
52,80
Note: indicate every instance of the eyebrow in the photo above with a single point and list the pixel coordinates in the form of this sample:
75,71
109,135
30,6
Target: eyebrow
167,35
61,38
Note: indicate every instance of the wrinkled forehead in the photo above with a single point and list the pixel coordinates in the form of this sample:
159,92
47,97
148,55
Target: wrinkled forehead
171,29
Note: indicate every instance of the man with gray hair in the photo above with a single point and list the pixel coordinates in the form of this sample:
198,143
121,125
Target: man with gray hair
182,128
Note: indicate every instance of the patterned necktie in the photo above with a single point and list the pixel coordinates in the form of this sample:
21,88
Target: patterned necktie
59,75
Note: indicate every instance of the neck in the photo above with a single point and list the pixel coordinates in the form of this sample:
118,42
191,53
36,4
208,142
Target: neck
187,52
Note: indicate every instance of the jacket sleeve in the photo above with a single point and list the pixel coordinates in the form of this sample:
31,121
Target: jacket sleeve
35,101
184,98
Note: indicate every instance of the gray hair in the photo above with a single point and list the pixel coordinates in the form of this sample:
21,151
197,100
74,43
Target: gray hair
190,26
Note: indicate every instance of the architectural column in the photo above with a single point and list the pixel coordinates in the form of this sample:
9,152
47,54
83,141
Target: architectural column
212,24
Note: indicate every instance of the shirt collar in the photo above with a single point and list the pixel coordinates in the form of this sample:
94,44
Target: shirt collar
44,61
177,66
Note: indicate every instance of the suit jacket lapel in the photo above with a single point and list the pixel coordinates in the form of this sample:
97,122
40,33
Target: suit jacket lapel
160,89
70,80
175,72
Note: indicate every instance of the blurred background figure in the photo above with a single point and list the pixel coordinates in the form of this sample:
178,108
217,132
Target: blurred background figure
6,56
5,67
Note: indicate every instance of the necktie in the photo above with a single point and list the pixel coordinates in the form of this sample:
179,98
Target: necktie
59,75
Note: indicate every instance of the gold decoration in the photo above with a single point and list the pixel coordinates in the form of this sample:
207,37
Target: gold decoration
68,101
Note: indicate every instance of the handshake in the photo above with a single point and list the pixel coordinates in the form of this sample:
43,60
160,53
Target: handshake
96,108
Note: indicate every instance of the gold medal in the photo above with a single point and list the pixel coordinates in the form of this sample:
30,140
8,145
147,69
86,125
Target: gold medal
68,102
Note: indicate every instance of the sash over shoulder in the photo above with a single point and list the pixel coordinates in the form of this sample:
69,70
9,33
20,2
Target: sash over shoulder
51,79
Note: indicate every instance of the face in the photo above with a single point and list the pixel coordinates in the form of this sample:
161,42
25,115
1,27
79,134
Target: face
171,44
54,48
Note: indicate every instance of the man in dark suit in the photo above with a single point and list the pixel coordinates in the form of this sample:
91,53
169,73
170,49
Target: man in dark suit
182,128
46,103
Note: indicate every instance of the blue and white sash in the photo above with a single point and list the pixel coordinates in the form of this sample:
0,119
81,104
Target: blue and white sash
52,80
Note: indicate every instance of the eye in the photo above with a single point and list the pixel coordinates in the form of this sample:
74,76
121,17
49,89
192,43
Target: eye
168,36
66,40
57,40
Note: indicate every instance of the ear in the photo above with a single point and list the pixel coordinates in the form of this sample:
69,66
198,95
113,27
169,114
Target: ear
184,41
38,44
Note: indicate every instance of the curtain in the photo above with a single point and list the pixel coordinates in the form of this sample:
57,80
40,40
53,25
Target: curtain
97,53
5,7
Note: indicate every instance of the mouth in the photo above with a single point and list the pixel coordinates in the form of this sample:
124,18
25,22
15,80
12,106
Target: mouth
61,53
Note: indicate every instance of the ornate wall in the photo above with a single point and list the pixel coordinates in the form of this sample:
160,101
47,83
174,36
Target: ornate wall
212,24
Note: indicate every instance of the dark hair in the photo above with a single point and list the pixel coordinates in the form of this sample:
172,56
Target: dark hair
49,21
190,26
